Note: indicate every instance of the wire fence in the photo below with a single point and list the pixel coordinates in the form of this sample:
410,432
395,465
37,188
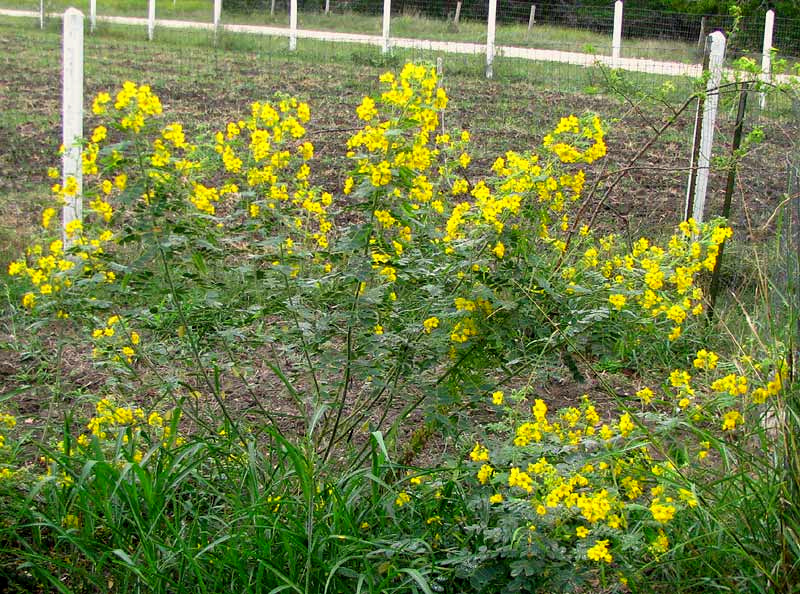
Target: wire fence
209,84
646,33
548,44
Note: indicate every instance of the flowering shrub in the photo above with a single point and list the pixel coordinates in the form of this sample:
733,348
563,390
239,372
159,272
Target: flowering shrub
572,489
414,284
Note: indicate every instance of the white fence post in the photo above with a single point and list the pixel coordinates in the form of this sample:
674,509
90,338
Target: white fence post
490,38
715,61
327,6
72,116
293,25
151,18
217,15
41,14
272,8
616,40
532,17
766,56
387,21
92,15
457,16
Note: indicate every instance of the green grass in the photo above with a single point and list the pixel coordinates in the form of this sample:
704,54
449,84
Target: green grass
406,25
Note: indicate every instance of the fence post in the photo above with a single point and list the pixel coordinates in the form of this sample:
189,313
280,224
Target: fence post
457,16
292,25
616,40
327,7
151,18
766,56
729,186
387,20
72,117
532,17
41,14
696,204
702,37
92,15
272,8
490,38
217,15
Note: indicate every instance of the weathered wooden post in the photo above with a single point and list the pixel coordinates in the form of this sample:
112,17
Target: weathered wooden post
701,39
531,18
72,118
696,192
92,15
457,16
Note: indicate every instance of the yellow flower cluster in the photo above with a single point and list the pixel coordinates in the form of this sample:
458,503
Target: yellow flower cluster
110,425
50,270
7,421
116,345
575,140
135,105
111,420
264,154
603,491
723,397
659,285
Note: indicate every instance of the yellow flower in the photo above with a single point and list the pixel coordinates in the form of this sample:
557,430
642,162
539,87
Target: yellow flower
626,425
430,324
645,395
485,473
499,249
706,359
497,398
479,453
366,111
599,552
731,419
496,498
520,479
582,531
662,513
617,300
28,300
402,499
